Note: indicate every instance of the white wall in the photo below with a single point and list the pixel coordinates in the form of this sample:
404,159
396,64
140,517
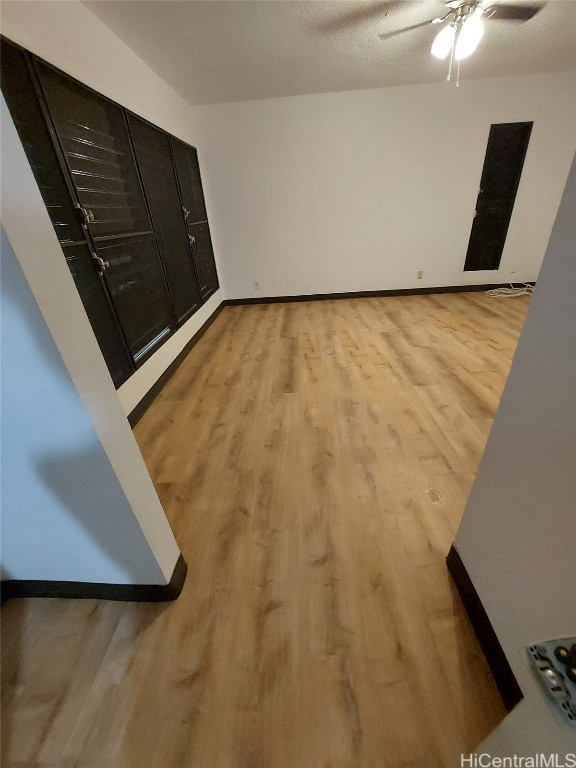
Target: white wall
359,190
70,37
64,514
517,538
32,237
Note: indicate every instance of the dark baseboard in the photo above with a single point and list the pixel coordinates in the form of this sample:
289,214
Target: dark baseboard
139,411
495,656
364,294
137,593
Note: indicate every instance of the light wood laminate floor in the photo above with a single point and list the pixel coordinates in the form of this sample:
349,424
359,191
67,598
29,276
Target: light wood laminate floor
314,461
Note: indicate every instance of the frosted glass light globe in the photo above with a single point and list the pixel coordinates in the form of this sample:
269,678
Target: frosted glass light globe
443,42
470,35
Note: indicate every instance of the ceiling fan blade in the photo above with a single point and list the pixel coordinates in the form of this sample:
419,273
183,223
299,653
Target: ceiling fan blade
363,13
388,35
505,12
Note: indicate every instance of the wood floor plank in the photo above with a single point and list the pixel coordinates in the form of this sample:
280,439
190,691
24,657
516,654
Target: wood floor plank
314,460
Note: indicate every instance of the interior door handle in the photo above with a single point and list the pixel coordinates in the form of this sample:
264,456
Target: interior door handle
192,239
101,265
85,215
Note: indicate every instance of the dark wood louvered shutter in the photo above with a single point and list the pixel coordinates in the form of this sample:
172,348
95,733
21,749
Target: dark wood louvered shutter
126,201
96,146
32,126
204,258
190,183
154,157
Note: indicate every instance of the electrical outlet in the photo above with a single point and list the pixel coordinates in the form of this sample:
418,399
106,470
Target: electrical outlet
256,285
420,274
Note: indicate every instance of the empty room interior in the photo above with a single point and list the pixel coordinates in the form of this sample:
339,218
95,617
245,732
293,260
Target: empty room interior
288,383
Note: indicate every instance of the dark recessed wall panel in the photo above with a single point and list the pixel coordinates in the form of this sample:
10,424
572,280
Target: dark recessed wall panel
503,164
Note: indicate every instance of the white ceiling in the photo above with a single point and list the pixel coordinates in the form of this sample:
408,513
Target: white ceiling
214,51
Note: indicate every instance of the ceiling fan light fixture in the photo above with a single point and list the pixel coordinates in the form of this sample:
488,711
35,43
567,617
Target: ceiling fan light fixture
443,42
470,35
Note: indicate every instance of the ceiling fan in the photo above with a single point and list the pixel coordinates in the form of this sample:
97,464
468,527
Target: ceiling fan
463,26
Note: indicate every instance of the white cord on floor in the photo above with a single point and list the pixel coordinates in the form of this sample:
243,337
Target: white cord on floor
522,290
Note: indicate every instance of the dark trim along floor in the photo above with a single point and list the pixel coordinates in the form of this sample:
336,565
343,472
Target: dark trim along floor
137,413
495,656
367,294
140,593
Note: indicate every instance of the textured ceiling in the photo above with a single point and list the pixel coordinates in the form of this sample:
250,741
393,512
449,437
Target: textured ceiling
220,50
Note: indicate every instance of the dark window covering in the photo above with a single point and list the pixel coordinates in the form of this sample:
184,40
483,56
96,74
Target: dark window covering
142,192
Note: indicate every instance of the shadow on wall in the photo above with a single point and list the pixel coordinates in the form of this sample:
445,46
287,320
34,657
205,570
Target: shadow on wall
61,497
59,485
83,483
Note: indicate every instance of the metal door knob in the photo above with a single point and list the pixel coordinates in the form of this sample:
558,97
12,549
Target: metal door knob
100,263
85,215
